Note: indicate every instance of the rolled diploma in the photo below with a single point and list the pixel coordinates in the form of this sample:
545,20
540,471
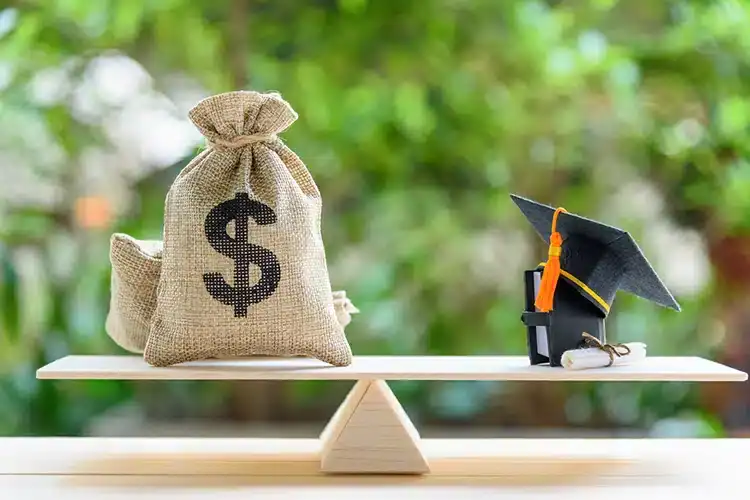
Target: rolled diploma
593,357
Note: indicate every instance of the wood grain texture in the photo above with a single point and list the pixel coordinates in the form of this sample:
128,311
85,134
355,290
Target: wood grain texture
520,468
686,369
371,434
344,412
97,487
301,457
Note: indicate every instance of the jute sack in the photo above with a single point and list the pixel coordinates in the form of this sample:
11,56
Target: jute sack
136,269
243,269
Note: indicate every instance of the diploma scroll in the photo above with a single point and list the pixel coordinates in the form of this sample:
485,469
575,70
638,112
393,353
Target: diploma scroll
599,357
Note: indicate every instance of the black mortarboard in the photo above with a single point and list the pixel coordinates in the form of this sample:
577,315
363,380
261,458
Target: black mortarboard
595,261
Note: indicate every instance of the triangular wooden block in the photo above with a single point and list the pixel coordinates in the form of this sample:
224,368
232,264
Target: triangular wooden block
371,433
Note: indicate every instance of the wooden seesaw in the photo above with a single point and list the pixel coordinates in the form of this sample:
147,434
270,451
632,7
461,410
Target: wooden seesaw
370,433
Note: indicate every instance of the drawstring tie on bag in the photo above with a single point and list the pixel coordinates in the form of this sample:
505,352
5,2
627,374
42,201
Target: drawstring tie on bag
546,295
240,141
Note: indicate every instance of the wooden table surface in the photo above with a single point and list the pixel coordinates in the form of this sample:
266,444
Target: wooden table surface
242,468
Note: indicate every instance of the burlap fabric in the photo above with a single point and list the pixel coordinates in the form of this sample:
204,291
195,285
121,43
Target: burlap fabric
243,269
343,307
136,267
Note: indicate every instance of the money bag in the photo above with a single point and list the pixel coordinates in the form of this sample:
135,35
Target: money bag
242,269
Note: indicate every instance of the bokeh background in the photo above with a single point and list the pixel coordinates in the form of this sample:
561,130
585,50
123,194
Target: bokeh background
417,119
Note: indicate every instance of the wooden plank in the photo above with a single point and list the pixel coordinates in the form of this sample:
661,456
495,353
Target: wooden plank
365,488
686,369
371,434
461,459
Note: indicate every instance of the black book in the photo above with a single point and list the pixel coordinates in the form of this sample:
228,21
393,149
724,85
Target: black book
552,333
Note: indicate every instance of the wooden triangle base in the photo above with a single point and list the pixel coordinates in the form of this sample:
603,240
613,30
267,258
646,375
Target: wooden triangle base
370,433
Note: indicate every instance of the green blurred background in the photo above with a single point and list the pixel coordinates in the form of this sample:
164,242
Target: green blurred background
417,119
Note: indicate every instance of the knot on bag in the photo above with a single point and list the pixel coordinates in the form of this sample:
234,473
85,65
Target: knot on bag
240,141
237,119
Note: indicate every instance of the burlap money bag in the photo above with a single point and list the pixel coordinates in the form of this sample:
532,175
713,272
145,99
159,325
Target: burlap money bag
136,269
243,268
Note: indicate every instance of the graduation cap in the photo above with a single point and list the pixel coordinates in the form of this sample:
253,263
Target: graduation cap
572,292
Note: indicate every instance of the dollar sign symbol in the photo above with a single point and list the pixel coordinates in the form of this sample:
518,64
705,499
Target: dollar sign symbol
241,295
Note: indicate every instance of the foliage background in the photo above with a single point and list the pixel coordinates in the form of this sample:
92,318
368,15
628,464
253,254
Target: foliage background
417,119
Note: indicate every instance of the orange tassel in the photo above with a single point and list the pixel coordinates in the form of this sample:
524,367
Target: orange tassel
545,297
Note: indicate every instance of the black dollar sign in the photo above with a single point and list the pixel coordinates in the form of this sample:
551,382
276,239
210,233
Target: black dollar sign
241,295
